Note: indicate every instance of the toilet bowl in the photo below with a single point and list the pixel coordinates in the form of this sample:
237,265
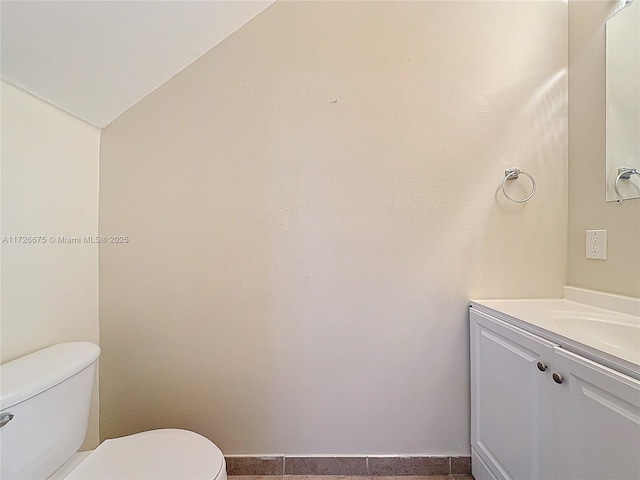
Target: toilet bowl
44,412
157,454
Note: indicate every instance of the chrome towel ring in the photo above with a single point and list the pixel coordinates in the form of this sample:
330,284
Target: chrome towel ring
512,174
624,173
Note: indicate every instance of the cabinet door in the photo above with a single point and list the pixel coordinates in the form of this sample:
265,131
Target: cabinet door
597,420
511,420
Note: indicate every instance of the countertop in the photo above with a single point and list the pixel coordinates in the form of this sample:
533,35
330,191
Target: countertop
607,336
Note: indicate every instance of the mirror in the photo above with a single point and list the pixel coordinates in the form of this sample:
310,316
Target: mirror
623,101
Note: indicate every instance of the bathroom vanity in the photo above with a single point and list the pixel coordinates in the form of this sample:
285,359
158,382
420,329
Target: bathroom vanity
555,387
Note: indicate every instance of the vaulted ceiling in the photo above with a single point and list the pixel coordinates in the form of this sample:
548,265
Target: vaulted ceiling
95,59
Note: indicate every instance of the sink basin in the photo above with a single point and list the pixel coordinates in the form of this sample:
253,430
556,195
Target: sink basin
610,330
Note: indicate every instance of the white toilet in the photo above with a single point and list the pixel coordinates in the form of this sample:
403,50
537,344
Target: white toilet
44,413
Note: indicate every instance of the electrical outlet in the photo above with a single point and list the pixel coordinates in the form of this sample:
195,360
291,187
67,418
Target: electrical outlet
597,244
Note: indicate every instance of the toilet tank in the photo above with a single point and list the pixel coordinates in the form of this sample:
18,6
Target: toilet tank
48,392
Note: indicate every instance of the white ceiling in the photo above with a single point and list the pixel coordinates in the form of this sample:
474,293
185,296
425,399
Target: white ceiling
95,59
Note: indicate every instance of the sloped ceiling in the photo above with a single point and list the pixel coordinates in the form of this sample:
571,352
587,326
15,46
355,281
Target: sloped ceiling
95,59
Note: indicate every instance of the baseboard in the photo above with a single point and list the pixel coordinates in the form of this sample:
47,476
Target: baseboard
365,465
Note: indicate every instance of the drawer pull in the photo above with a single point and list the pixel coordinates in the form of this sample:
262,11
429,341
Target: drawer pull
542,366
558,378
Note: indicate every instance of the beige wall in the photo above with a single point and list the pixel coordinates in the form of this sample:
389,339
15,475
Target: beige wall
311,205
620,273
49,188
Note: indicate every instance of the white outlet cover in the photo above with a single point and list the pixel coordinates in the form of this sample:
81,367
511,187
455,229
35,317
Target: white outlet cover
596,244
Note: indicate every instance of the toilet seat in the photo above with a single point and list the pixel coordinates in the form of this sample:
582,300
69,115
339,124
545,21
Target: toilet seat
157,454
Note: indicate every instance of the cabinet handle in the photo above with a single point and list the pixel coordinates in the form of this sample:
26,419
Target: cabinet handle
558,378
542,366
5,418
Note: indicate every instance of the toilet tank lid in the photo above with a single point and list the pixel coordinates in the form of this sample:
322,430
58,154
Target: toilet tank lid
36,372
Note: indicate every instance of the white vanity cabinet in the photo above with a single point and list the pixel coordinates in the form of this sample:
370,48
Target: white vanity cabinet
541,412
597,420
511,401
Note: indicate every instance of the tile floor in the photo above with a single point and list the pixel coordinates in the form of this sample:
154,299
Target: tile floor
346,477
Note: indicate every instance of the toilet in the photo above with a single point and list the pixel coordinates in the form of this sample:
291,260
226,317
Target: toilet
44,413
